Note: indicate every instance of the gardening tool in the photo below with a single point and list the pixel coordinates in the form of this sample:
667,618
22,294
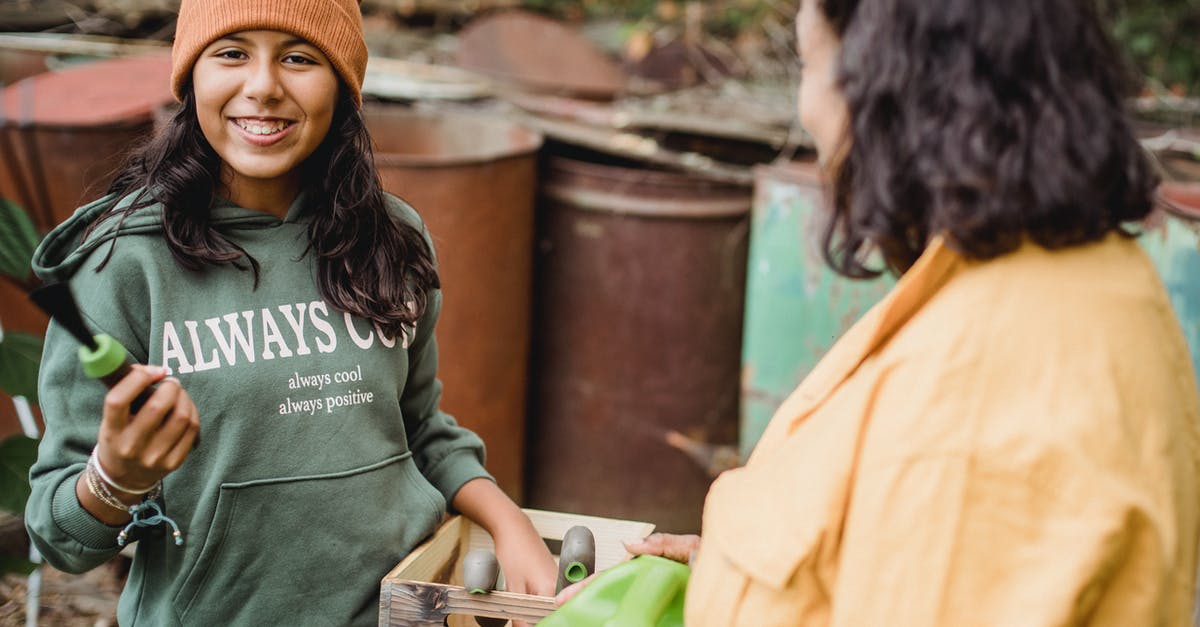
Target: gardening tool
577,558
481,572
646,591
103,357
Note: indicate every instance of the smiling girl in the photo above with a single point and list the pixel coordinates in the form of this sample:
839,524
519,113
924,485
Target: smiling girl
288,263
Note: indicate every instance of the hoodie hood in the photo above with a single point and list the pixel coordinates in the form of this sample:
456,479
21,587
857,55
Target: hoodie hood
65,249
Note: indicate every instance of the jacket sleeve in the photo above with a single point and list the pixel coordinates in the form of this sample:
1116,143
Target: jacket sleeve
66,534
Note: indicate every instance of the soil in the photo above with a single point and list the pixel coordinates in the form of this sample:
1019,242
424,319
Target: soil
87,600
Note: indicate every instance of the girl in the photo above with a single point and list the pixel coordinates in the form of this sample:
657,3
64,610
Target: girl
293,322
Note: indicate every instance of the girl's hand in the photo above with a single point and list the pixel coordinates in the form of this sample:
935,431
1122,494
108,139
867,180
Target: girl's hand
524,559
527,564
138,450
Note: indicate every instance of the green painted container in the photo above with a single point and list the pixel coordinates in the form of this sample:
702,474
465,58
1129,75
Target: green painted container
796,307
1172,239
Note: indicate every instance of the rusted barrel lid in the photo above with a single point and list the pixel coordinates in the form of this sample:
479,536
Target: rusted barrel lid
538,53
640,191
414,139
1182,199
110,92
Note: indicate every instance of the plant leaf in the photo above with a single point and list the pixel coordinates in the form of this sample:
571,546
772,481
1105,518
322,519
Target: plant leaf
17,455
16,565
18,239
20,355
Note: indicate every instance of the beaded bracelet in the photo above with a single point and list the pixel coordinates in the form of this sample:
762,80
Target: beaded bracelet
96,486
147,513
94,462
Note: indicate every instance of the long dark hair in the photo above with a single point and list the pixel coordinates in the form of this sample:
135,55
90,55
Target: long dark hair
368,262
989,121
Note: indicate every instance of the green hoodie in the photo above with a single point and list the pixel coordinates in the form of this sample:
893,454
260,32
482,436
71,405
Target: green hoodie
324,458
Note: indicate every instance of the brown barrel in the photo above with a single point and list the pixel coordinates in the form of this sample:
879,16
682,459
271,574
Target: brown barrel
473,180
638,323
63,134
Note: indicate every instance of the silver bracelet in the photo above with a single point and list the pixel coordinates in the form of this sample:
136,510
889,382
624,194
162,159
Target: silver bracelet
96,486
94,462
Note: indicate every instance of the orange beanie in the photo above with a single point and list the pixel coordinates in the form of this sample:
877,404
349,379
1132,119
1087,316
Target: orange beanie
334,26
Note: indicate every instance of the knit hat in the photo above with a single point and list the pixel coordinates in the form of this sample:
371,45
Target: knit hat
333,26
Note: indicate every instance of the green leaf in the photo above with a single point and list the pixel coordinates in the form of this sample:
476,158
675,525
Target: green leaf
1143,43
20,355
15,565
18,239
17,455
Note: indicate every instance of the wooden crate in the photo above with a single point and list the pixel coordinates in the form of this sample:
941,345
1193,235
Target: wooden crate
426,588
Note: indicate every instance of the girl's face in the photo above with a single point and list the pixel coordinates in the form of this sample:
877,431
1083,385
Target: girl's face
823,111
265,101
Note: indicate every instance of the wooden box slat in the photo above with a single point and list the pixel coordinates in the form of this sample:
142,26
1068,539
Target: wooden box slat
425,589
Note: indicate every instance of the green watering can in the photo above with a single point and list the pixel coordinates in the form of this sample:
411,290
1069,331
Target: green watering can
646,591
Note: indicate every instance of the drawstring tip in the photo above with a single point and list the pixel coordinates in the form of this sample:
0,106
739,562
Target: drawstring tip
140,519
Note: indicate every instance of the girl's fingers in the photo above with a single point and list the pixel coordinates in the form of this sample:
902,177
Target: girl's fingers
182,448
153,442
116,402
150,418
173,428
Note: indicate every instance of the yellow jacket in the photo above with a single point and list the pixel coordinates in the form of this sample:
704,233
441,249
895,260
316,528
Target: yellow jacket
1012,442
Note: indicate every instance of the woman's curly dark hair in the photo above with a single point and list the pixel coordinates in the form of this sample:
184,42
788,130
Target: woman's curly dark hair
988,121
369,263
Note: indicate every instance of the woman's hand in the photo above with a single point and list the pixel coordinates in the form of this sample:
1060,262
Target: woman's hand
671,546
138,450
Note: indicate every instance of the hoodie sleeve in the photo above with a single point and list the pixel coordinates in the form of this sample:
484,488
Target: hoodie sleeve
113,301
65,533
447,454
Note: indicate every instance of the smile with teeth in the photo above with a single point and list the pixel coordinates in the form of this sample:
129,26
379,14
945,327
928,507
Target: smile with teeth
262,127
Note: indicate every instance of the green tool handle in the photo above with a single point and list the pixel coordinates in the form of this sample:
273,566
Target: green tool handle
647,598
115,376
109,362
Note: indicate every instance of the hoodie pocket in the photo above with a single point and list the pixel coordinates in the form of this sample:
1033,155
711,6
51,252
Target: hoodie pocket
295,550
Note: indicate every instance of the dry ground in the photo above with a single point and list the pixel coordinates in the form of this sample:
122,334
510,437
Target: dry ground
88,600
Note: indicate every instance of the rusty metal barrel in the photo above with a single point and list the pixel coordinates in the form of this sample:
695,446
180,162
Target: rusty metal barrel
638,325
473,180
796,306
63,133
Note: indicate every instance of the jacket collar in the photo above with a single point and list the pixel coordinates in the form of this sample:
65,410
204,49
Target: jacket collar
933,269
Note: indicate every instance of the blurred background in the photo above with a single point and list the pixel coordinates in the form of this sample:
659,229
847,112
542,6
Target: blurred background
624,211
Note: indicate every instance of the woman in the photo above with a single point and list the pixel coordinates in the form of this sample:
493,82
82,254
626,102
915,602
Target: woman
295,316
1012,436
